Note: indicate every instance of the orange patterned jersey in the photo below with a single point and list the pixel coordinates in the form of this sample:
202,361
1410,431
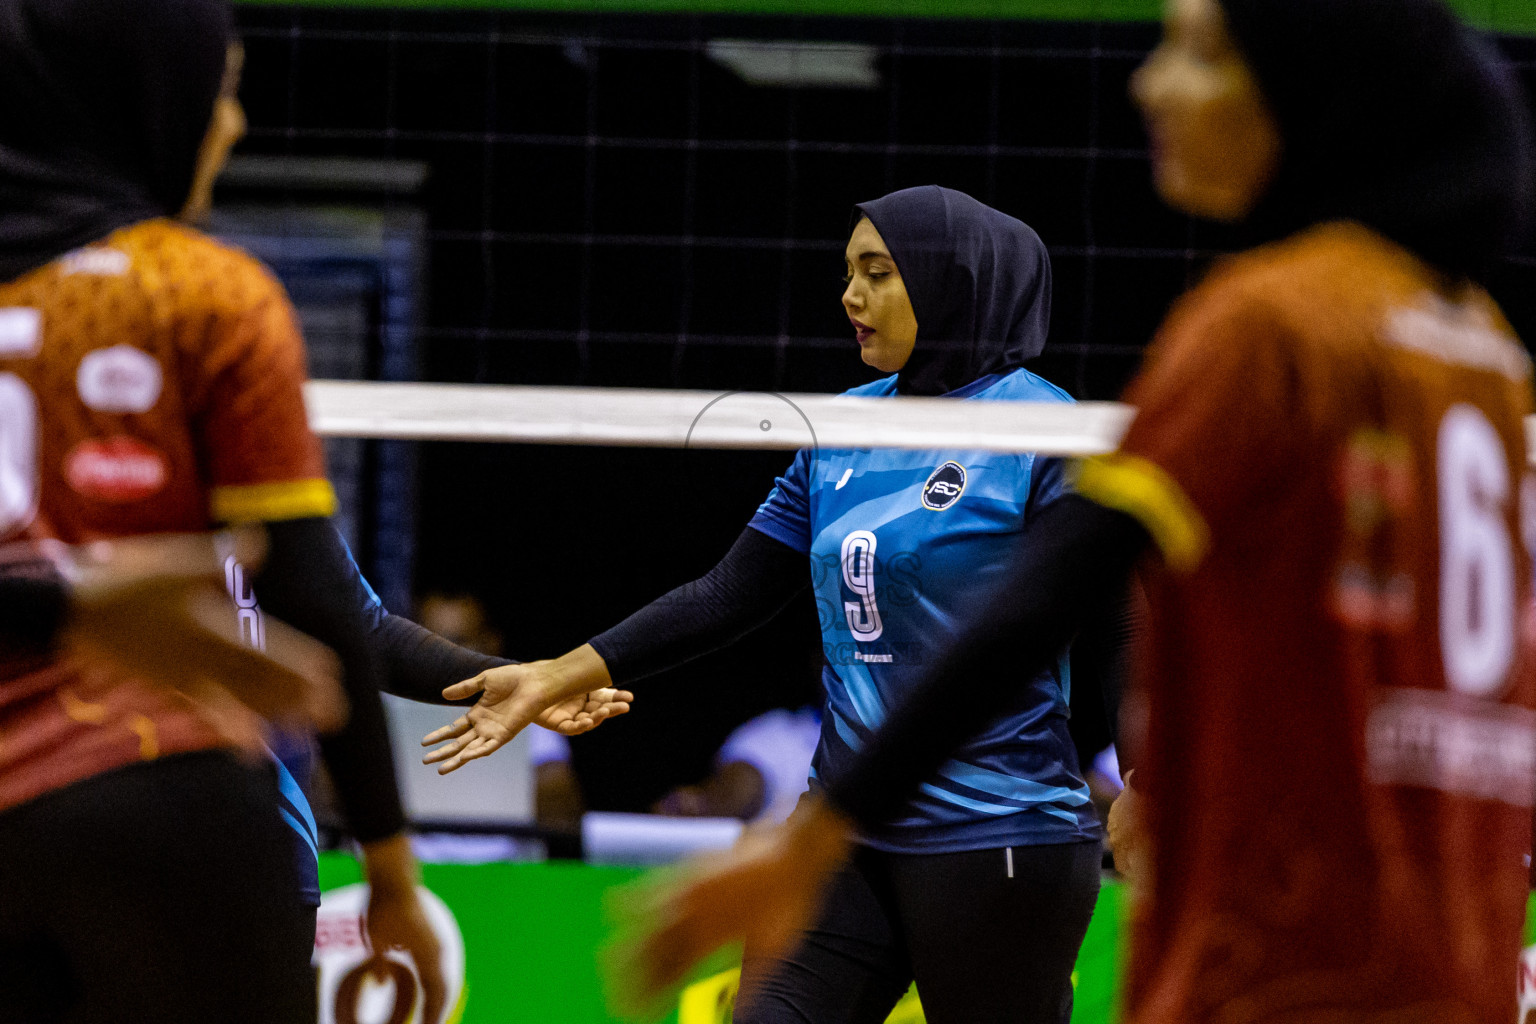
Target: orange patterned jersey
150,383
1339,744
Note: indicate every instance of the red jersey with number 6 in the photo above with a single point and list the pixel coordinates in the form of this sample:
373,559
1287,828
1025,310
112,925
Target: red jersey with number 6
1339,751
151,383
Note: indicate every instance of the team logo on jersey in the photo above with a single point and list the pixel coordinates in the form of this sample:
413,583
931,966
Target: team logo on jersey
21,332
117,469
119,379
99,262
944,487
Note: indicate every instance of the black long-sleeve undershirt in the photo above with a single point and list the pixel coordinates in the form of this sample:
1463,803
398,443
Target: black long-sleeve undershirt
752,583
1074,559
418,664
307,581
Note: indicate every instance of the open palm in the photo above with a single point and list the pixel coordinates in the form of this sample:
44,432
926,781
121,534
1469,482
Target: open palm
511,698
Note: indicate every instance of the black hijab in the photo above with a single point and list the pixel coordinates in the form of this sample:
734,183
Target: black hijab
103,108
979,281
1394,114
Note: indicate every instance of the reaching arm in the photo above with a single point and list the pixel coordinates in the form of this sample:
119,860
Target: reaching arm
419,665
307,581
756,578
752,583
1101,653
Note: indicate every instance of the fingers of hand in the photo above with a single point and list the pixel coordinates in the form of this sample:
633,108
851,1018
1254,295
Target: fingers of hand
482,746
465,689
450,748
458,727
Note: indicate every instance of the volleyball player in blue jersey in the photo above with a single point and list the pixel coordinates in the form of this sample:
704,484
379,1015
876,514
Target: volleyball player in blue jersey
996,861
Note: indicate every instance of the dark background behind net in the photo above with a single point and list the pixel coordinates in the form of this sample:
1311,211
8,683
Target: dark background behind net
609,206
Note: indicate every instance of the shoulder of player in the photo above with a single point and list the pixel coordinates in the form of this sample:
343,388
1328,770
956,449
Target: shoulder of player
216,277
1335,263
1023,386
1283,288
881,388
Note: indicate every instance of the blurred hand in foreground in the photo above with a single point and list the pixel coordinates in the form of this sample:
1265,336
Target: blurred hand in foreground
569,695
156,607
1127,839
765,892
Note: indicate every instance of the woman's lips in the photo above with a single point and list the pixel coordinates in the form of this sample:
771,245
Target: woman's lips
863,332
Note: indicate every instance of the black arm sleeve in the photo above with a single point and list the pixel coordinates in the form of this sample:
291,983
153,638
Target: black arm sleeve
32,610
756,578
1072,560
307,581
419,664
1102,651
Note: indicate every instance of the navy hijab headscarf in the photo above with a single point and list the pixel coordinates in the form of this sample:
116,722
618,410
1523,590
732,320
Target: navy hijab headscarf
104,105
1394,114
979,281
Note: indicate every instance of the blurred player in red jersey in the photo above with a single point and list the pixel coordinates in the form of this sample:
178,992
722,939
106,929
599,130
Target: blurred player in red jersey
158,607
1329,467
150,383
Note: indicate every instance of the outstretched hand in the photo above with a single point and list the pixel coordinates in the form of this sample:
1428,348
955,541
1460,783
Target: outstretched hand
765,891
513,697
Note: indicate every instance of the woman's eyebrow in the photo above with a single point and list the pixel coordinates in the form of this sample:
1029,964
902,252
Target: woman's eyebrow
874,254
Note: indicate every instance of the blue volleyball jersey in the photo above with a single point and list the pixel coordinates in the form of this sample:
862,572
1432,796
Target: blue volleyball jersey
898,542
295,760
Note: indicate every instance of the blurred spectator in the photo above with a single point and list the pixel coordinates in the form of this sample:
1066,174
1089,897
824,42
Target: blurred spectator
460,618
558,803
759,773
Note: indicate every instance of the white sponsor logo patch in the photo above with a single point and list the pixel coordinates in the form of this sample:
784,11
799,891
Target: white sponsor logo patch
21,332
349,992
119,379
1431,739
100,262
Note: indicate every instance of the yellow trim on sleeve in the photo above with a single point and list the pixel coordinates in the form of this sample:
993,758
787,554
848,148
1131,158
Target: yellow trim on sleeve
267,503
1145,492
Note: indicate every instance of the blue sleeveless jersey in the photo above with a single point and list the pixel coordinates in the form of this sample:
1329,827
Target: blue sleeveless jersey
898,541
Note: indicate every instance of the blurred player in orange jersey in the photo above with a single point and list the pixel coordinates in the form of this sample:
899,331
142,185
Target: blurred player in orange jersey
150,383
157,607
1329,472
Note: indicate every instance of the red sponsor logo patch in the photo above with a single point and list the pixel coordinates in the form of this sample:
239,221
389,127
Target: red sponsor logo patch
118,469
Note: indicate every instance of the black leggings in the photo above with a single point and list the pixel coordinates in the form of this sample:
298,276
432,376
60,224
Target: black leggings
986,944
162,893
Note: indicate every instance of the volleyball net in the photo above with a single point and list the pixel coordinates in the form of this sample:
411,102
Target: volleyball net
668,418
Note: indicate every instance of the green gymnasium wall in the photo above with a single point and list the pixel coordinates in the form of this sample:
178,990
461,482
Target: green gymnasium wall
532,932
1507,16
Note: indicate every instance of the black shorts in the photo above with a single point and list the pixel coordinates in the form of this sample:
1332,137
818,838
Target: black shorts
990,936
162,893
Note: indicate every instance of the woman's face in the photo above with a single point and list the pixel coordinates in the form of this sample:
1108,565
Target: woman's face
876,301
1215,145
226,129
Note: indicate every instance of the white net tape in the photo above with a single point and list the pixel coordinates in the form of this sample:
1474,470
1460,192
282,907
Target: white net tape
706,419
